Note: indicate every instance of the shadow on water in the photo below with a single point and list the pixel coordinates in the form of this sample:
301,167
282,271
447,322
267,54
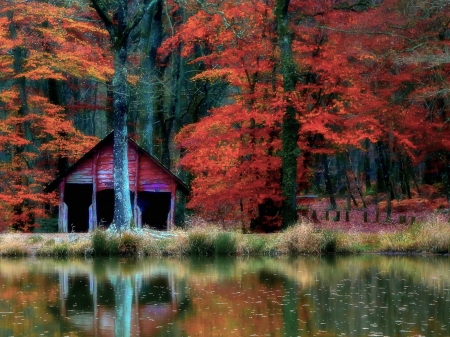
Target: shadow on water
223,296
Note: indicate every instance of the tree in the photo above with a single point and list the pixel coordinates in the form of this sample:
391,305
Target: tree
119,24
290,125
39,45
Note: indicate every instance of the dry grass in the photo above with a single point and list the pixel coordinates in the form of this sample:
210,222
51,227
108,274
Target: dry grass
302,239
432,236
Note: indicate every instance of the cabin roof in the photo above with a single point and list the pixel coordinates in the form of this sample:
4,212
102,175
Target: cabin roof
109,139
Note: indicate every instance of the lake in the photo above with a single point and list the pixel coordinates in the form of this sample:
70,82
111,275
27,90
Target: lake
366,295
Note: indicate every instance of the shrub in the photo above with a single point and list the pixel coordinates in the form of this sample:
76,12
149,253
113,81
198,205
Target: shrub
434,236
81,248
13,250
254,244
201,241
128,243
35,239
149,246
61,249
49,242
49,225
178,245
397,242
225,244
56,249
100,242
329,241
302,238
356,242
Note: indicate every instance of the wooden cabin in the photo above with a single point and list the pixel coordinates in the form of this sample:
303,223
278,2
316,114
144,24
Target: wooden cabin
86,190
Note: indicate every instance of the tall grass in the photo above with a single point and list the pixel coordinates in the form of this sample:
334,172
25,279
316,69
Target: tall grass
225,244
302,239
432,236
120,243
13,250
201,241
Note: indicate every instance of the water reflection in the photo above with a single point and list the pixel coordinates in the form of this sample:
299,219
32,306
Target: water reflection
328,296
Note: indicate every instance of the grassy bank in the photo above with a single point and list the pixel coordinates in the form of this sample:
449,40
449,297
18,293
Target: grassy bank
432,236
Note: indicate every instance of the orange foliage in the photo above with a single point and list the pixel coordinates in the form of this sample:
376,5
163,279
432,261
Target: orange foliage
38,43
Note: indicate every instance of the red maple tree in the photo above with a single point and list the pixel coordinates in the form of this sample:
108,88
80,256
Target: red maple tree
39,46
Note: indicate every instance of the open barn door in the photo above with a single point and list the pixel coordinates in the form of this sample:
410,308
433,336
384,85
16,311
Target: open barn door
155,208
78,198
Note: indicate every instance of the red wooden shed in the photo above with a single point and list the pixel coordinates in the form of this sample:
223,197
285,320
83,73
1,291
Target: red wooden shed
86,194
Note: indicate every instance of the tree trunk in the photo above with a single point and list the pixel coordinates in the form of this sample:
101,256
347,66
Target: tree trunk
367,166
119,28
122,202
151,37
290,126
384,159
404,176
328,183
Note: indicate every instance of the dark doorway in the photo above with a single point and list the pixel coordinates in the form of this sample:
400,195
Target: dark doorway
78,198
155,207
105,206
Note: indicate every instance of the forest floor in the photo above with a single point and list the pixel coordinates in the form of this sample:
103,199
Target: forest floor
429,203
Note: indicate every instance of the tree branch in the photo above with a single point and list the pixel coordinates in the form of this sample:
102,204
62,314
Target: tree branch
137,18
101,11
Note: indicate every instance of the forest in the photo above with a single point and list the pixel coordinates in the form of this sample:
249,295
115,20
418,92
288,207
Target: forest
250,102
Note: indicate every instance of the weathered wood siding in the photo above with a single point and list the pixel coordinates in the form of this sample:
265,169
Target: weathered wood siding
152,178
82,175
105,179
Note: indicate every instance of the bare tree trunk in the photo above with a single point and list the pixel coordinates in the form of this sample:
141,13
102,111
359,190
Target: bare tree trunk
122,202
151,37
385,168
328,183
367,166
290,126
355,178
119,27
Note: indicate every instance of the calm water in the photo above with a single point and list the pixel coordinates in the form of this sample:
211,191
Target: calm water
322,296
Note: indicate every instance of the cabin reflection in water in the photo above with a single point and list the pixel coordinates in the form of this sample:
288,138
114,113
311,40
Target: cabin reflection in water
119,305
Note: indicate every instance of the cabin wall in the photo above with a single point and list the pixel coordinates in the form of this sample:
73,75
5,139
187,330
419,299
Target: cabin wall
151,178
82,175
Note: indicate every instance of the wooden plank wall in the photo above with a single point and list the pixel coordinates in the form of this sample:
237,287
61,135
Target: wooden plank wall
82,175
151,177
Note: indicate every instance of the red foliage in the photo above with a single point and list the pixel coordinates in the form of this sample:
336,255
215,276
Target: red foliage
39,43
355,83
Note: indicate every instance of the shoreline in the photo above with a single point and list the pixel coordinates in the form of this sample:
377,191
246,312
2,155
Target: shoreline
429,238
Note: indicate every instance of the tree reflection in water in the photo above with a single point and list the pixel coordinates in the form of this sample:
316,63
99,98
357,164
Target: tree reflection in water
329,296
